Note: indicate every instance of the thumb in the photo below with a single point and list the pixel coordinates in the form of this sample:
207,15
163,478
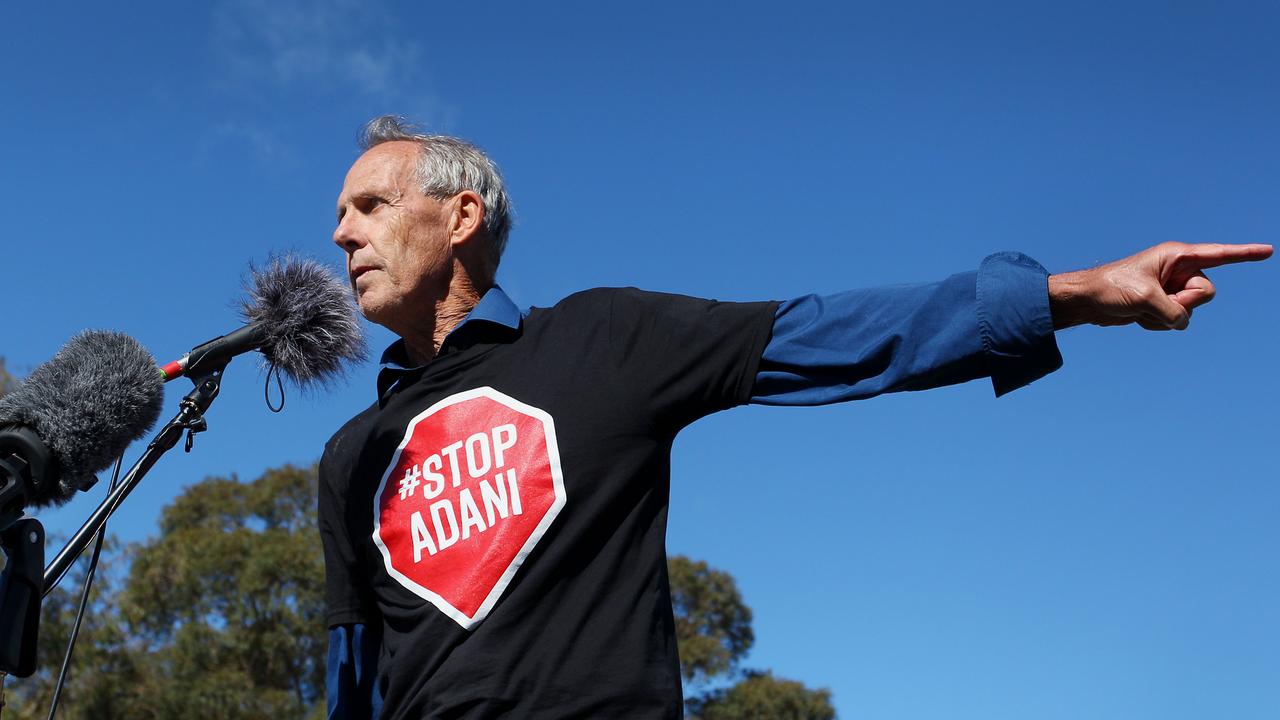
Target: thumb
1196,292
1169,311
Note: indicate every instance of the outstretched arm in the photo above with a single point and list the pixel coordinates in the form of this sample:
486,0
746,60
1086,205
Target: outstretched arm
1156,288
997,322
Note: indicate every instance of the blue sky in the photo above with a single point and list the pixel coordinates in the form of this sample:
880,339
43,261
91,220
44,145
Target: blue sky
1100,544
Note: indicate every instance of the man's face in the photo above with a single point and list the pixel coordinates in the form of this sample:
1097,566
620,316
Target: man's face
396,238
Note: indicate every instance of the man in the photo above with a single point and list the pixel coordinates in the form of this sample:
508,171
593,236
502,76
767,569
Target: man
494,523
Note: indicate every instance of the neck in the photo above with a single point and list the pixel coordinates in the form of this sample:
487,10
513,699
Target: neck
423,342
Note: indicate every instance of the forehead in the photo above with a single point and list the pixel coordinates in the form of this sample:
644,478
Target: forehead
383,167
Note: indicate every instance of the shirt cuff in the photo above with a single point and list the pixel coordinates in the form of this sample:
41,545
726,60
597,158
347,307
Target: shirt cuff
1015,322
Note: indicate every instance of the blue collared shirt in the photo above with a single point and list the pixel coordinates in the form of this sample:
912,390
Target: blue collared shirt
994,322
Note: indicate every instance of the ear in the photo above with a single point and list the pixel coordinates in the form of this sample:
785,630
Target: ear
466,218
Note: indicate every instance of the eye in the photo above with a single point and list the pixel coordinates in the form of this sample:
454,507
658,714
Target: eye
364,204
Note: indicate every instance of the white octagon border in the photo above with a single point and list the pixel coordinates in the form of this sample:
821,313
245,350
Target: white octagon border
557,481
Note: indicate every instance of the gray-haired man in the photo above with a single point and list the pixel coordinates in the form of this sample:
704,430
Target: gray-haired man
494,523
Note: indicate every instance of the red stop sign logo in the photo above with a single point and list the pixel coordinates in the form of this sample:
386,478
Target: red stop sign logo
471,490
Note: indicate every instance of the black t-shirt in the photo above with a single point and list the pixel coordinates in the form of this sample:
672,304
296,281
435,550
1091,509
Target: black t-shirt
502,511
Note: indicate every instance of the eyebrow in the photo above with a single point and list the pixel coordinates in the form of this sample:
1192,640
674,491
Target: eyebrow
369,191
342,206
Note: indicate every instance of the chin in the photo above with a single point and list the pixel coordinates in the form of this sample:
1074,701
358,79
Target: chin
371,307
375,315
377,310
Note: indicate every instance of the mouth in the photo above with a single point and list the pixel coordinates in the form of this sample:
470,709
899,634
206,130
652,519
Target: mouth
359,270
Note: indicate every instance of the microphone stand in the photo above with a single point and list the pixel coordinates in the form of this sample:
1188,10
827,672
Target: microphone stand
23,539
190,418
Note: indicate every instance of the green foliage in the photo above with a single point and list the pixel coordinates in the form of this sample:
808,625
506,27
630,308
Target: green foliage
230,599
219,617
713,624
713,631
761,696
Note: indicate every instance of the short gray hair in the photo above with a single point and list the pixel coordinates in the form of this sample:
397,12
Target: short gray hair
446,167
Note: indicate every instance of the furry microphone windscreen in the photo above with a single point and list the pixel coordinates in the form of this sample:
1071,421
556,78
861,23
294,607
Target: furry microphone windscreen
311,325
99,393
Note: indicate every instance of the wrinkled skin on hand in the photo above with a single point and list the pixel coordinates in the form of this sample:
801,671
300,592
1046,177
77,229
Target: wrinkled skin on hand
1156,288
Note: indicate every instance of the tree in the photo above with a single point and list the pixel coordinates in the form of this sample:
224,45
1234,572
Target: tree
229,600
713,632
713,624
220,616
761,696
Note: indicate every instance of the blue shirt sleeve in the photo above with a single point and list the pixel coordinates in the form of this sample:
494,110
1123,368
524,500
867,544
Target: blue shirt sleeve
858,344
351,673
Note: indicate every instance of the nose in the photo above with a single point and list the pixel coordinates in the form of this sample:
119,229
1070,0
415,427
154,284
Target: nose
346,235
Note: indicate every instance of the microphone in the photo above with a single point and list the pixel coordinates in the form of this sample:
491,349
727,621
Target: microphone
73,415
299,314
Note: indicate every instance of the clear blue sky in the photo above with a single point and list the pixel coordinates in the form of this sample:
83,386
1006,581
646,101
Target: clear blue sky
1101,544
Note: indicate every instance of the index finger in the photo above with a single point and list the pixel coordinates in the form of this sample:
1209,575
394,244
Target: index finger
1208,255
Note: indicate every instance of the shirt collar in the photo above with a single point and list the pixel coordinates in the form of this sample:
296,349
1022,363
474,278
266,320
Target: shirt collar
495,309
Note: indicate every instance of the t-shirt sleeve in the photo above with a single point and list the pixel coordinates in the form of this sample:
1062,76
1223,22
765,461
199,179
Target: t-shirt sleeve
347,596
687,357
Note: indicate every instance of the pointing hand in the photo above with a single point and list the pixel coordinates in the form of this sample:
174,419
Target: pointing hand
1156,288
